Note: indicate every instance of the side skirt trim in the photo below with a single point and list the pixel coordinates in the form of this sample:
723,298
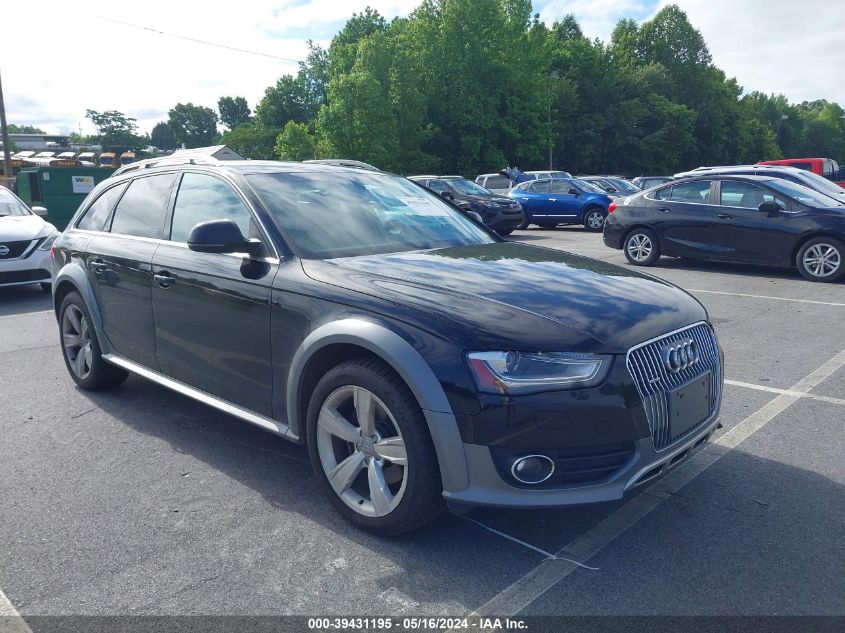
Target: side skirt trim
252,417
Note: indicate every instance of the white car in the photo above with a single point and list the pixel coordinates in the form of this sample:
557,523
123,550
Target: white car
25,241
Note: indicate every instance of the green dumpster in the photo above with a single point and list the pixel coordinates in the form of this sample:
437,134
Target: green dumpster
59,189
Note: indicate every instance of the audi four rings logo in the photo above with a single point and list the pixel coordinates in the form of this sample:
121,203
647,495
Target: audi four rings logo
4,250
680,355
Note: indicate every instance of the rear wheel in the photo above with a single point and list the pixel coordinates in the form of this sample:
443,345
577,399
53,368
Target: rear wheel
641,247
370,448
594,219
81,349
821,259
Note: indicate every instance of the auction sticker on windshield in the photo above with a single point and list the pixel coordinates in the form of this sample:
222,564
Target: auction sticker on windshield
424,207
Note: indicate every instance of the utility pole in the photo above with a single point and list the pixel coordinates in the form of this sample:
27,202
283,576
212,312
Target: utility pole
552,75
7,150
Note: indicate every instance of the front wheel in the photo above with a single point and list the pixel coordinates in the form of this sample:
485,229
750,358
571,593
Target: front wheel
504,232
369,445
594,220
641,247
820,259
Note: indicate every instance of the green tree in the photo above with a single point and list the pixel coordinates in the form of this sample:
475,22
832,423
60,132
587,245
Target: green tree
24,129
195,126
295,142
162,136
287,100
233,111
252,140
115,130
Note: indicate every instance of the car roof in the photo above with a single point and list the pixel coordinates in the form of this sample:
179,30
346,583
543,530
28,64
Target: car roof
453,177
727,169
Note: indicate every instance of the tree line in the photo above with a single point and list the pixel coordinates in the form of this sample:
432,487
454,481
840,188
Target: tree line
471,86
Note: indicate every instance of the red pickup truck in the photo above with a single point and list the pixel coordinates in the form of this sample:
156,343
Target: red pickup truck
826,167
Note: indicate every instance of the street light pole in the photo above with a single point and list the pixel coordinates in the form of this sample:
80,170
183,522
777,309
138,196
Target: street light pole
7,150
552,75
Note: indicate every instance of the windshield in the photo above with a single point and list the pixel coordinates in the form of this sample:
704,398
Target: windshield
804,195
331,214
468,188
10,205
587,186
822,184
106,160
623,185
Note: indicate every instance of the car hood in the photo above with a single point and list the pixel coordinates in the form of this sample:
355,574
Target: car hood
496,199
17,228
514,296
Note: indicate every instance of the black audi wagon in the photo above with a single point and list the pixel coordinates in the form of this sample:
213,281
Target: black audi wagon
422,359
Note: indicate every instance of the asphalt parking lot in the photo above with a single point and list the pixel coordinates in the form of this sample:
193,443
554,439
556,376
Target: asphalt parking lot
143,502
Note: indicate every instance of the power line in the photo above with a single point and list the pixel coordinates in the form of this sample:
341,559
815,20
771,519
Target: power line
193,39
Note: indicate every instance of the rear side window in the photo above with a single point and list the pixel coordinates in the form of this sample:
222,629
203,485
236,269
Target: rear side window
96,216
140,211
697,192
496,182
202,198
541,186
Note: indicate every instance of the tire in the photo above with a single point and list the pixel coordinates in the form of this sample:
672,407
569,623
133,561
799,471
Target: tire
641,247
91,372
504,232
594,219
414,493
524,224
46,286
821,259
547,225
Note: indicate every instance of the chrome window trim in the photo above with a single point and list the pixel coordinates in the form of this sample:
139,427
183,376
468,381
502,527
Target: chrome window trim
153,240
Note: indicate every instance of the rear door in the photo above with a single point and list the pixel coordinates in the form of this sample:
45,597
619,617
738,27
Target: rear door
535,200
683,218
120,267
212,310
744,233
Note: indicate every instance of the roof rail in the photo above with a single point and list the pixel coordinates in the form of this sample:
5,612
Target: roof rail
164,161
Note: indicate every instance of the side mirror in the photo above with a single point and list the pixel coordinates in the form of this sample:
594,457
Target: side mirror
573,191
221,236
39,211
447,194
769,207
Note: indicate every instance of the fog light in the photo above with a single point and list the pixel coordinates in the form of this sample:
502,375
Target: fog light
532,469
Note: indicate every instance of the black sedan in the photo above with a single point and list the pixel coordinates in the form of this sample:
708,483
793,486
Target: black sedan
744,219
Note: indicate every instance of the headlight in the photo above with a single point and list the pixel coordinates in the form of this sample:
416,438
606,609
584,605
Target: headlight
510,373
49,241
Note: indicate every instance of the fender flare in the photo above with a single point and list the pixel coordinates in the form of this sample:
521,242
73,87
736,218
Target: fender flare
411,367
73,274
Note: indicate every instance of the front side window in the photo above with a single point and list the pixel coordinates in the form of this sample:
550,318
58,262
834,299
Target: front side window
745,195
697,192
325,216
98,213
202,198
560,186
438,186
140,211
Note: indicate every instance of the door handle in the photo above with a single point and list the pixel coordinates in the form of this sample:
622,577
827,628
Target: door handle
724,216
98,266
164,279
552,199
665,209
526,198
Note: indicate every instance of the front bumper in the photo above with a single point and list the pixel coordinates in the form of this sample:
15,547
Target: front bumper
487,488
502,218
32,269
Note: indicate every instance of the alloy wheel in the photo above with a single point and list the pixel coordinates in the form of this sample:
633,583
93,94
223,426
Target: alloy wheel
822,260
76,341
362,451
595,220
639,247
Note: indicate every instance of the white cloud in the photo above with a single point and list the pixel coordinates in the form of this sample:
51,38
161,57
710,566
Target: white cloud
793,48
597,18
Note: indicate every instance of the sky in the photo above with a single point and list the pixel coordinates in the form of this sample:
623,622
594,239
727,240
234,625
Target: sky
61,57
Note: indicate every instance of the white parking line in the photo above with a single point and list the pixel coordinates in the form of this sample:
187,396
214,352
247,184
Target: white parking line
547,574
800,394
742,294
10,620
